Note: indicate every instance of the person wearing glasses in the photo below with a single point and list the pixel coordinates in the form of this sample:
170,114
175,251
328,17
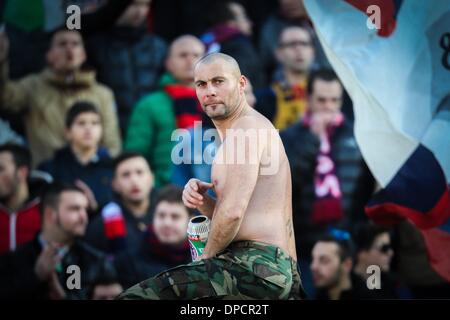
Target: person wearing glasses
374,248
285,101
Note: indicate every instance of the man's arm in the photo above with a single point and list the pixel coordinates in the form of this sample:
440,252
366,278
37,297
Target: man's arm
237,188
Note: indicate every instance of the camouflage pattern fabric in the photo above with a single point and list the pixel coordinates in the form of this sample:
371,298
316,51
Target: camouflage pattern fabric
244,270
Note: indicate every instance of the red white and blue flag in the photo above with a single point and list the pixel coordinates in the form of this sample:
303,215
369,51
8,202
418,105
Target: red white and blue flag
393,57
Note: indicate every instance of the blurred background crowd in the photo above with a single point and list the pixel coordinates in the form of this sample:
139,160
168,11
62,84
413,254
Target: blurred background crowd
86,120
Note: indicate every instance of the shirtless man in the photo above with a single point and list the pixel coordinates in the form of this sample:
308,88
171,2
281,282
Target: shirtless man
250,253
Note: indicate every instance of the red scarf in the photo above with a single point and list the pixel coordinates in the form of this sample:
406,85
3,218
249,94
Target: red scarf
327,206
186,106
173,254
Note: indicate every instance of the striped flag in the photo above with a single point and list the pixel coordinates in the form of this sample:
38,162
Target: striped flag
393,57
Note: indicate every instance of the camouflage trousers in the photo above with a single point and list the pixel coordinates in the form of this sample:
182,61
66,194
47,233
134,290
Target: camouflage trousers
244,270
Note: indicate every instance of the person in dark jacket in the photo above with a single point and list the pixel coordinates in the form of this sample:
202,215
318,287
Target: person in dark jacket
122,223
331,267
330,182
20,219
165,244
374,253
83,162
128,58
56,264
230,33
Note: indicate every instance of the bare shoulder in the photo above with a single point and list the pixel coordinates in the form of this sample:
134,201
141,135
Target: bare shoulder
253,120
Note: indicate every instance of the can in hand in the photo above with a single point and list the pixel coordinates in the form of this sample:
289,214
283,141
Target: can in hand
198,229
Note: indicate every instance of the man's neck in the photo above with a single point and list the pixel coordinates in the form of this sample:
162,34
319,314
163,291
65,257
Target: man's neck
223,125
344,284
294,78
17,200
138,209
84,155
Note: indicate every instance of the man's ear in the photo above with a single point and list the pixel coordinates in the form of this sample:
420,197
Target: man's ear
114,185
347,265
84,55
23,172
67,134
242,83
49,57
49,215
168,64
277,53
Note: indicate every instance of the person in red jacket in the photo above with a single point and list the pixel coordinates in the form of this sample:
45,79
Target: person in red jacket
20,219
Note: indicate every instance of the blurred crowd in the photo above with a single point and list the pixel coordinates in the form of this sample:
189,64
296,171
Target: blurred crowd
86,122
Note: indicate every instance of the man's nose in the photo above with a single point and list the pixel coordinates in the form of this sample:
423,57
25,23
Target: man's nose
210,91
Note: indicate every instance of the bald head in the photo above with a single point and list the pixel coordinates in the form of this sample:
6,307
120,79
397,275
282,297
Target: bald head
183,42
184,52
227,61
219,85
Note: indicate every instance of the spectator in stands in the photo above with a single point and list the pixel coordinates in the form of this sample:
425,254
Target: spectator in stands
83,161
122,223
165,244
290,12
374,249
20,219
332,262
47,96
330,182
29,25
230,33
174,105
128,58
43,268
284,102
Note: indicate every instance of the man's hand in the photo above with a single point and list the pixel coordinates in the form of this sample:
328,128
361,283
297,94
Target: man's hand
320,122
4,46
193,193
46,262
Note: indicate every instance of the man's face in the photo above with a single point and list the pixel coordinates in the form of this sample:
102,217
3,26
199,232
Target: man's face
170,222
72,212
182,58
241,20
326,266
106,291
9,176
219,89
86,130
67,51
133,180
135,14
380,253
295,50
326,97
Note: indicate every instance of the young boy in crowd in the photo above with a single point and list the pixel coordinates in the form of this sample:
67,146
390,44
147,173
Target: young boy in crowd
83,162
